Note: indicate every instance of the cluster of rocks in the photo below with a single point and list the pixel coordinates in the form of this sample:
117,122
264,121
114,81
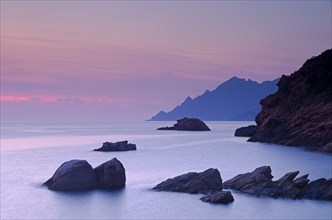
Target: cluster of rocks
259,182
75,175
117,146
78,175
300,112
188,124
208,182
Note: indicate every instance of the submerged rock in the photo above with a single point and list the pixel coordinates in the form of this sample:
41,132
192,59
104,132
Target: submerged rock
118,146
259,182
188,124
73,175
247,131
222,197
193,182
111,174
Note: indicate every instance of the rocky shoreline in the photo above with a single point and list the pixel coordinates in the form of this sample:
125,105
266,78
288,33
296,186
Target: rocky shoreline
300,112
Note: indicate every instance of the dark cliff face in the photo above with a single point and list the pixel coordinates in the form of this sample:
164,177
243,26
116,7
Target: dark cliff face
300,112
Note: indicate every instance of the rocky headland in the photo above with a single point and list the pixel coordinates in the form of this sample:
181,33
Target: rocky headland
188,124
300,112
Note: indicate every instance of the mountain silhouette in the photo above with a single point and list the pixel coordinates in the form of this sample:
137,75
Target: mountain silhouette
234,100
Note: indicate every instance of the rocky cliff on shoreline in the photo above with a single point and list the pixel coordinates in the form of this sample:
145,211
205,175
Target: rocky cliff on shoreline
300,112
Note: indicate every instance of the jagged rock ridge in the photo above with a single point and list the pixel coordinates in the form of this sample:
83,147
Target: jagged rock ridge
234,100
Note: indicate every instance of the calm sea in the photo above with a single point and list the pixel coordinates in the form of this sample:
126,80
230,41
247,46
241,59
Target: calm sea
31,152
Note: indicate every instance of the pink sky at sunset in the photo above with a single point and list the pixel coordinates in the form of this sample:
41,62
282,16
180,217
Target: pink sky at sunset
111,60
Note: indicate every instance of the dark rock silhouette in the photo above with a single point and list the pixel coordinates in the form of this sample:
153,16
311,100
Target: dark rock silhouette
118,146
73,175
300,112
247,131
222,197
193,182
234,100
78,175
188,124
259,182
111,174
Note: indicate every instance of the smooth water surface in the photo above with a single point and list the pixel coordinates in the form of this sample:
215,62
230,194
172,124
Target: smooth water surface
31,152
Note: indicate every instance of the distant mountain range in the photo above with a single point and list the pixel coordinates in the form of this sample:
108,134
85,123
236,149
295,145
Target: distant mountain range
234,100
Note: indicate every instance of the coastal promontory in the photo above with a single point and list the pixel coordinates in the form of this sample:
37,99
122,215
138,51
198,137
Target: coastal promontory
300,112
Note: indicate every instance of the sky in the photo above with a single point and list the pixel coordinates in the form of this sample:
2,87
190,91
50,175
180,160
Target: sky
126,61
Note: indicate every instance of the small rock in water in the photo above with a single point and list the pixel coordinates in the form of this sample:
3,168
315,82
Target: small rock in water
222,197
118,146
188,124
247,131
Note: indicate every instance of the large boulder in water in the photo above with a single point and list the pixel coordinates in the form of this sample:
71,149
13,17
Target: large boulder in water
118,146
111,174
188,124
73,175
193,182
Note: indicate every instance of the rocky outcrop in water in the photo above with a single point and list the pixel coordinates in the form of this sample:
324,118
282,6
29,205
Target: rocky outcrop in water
73,175
188,124
77,175
222,197
193,182
247,131
118,146
208,182
259,182
300,112
111,174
